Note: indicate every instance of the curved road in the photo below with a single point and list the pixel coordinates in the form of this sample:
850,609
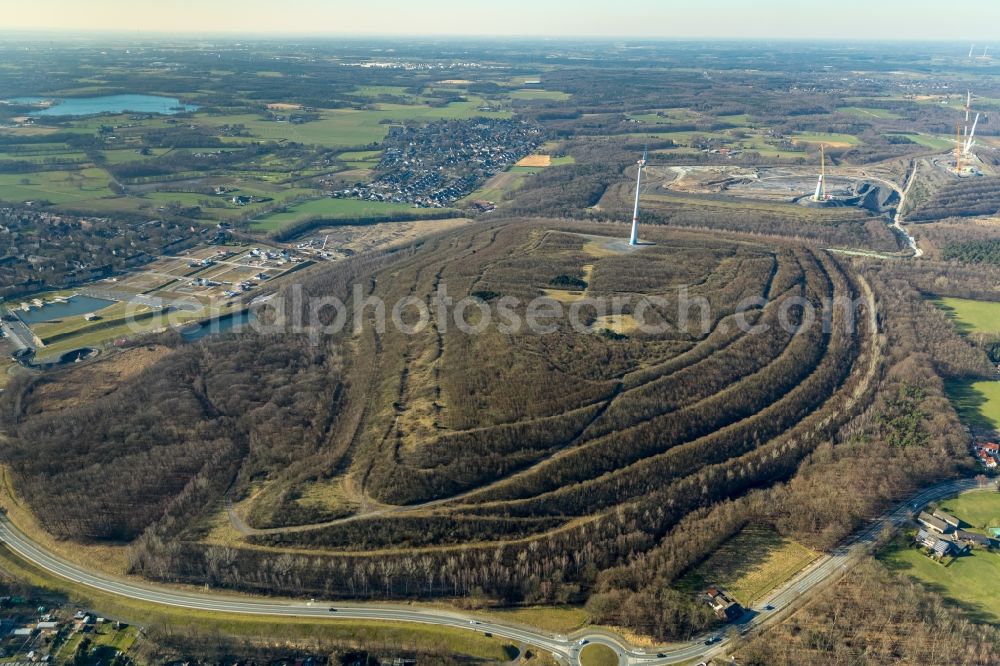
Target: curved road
567,648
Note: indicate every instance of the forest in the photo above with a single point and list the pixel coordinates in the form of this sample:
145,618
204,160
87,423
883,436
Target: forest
589,493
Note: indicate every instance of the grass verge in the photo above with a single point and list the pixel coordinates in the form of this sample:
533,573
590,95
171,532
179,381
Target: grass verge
416,636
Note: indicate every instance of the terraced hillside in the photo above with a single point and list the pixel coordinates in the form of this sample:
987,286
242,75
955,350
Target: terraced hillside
438,461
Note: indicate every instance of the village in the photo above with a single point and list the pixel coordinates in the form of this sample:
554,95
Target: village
435,165
942,534
31,633
987,453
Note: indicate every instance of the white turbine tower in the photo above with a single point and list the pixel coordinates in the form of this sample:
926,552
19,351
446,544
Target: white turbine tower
970,50
821,182
971,141
634,238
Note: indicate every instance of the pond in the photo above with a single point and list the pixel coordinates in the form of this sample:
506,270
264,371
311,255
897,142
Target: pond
90,106
232,322
72,307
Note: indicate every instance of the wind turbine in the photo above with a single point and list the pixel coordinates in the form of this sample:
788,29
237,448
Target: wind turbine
634,239
970,50
821,183
971,141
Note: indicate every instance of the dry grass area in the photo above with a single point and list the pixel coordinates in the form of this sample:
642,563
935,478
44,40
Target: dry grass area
571,295
328,494
535,161
357,239
621,324
598,249
284,106
560,619
750,565
92,380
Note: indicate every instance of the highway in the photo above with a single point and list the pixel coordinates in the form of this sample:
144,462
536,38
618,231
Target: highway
566,648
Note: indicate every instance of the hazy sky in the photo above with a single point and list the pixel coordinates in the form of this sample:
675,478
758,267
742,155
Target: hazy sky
863,19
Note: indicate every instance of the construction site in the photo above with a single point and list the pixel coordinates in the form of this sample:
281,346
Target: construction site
779,184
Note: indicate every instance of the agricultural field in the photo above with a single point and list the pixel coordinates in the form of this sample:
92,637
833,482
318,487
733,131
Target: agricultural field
76,187
344,128
869,112
554,95
977,402
929,141
749,565
826,138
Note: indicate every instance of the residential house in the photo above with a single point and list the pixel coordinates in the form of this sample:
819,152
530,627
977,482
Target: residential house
974,539
724,606
947,518
936,524
942,545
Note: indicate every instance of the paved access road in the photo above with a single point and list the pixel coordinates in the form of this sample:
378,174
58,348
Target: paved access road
566,648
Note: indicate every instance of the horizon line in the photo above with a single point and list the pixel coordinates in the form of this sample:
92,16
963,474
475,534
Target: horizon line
235,35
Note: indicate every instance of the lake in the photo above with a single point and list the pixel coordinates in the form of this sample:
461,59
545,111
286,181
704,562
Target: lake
91,106
73,307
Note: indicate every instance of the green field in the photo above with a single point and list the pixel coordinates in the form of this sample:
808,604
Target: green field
828,138
736,118
59,187
673,116
346,127
978,403
973,581
869,112
752,141
336,209
980,509
749,565
596,654
929,141
971,316
556,95
122,155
